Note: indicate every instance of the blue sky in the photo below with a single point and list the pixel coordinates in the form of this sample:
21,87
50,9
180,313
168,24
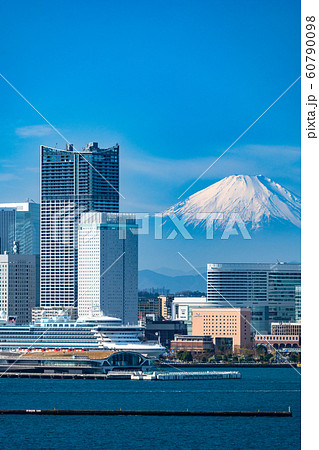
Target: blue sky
173,82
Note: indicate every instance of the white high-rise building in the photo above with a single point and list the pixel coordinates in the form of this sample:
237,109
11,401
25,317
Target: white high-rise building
108,265
268,289
19,285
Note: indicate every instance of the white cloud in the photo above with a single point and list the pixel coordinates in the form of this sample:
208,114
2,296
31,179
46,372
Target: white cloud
8,177
34,131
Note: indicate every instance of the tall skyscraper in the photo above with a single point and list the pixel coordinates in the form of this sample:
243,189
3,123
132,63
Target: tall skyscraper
20,228
268,289
7,229
71,183
108,265
19,285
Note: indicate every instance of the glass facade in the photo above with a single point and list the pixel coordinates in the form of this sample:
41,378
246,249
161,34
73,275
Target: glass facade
268,289
20,228
7,230
71,183
298,304
125,359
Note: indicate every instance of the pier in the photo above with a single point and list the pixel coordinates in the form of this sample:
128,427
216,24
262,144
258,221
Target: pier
125,375
69,412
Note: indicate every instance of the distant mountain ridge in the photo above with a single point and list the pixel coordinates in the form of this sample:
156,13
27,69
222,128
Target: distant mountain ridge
257,199
148,279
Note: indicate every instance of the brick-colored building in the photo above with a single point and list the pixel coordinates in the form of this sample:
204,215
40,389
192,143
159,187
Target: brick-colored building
282,328
194,344
283,335
278,341
223,324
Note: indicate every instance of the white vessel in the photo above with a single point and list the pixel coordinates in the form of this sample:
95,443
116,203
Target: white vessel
59,332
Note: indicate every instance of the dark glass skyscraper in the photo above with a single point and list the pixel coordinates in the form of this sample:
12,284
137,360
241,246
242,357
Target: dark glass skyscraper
71,183
7,229
20,228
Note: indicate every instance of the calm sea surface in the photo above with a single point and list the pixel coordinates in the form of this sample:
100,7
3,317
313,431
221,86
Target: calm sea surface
264,389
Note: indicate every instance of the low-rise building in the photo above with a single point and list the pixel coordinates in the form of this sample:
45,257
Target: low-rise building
283,335
231,325
164,331
194,344
278,341
284,328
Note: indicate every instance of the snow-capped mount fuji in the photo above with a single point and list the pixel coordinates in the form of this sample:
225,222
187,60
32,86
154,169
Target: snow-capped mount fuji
257,200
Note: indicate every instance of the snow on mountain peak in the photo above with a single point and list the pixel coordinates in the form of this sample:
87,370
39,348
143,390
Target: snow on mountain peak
257,199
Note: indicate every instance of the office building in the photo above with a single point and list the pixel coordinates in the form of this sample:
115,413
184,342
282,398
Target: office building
285,335
268,289
71,183
278,341
20,228
226,326
166,306
298,304
194,344
282,328
182,307
19,285
149,306
7,230
108,265
164,331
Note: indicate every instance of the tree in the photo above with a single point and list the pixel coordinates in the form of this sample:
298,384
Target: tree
188,357
268,356
293,357
261,350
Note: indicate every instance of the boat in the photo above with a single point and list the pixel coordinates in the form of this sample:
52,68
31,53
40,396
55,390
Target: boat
59,332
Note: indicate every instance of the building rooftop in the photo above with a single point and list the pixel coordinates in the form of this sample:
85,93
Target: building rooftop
99,354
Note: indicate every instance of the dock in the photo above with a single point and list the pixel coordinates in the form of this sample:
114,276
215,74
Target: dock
125,375
170,376
69,412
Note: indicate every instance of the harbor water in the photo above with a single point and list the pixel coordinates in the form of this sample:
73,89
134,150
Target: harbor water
268,389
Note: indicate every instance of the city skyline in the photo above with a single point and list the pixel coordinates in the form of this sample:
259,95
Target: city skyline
151,221
188,85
